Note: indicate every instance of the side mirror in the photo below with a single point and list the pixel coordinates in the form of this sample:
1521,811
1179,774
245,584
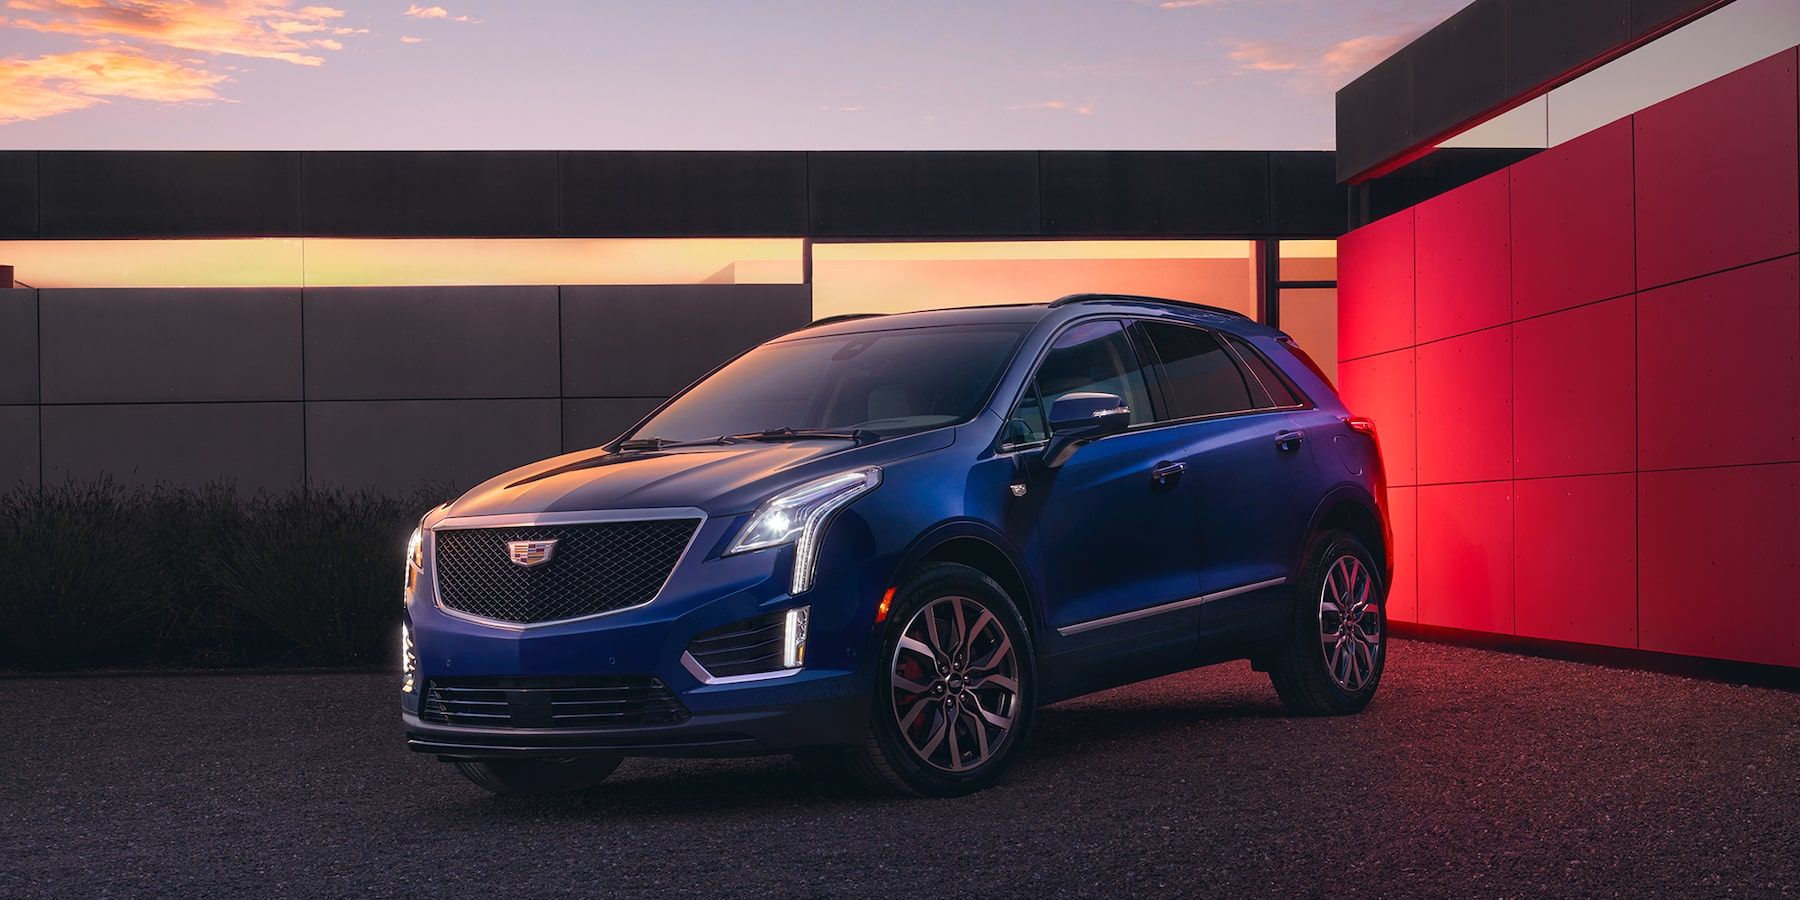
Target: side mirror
1081,417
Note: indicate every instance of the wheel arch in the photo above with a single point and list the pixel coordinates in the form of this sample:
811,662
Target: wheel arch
980,547
1352,509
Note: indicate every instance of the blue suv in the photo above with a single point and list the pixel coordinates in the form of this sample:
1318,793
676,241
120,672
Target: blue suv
887,540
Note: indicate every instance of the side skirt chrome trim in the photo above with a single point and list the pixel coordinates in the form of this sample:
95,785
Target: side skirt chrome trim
1149,611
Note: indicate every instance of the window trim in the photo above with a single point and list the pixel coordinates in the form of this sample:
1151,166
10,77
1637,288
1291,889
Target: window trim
1154,380
1224,341
1306,401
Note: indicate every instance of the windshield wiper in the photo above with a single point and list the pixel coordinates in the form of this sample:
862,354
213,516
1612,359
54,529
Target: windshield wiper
659,443
858,435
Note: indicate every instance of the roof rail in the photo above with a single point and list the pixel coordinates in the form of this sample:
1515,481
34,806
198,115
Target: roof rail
833,320
1135,298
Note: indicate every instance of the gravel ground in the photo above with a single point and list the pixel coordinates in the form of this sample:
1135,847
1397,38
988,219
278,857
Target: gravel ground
1474,773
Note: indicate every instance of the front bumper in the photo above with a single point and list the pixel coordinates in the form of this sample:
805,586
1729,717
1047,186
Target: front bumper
823,704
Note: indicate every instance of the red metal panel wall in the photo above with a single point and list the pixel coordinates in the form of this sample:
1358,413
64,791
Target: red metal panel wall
1607,451
1465,556
1381,387
1716,180
1375,287
1403,514
1464,280
1576,559
1574,387
1571,223
1719,383
1465,408
1720,558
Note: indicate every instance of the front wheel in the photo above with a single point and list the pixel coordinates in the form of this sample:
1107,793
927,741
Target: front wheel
1332,660
539,777
955,690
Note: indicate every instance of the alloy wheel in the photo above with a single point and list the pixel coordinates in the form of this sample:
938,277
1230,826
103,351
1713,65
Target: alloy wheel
1350,623
955,681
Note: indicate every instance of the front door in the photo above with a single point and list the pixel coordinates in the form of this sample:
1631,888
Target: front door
1111,531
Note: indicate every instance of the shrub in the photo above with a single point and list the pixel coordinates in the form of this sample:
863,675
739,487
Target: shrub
95,574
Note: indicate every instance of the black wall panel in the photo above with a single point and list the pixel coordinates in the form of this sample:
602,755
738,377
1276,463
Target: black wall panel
18,195
654,340
18,346
1374,116
1651,16
1305,198
1549,38
505,193
1101,192
156,193
257,446
1481,60
18,447
396,343
658,194
170,344
937,194
396,445
592,421
1459,69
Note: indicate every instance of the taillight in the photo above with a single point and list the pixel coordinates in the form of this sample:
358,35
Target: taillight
1362,424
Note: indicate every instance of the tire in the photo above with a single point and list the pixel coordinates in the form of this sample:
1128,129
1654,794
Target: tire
1323,669
906,751
539,777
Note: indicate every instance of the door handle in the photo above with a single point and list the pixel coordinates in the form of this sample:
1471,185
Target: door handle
1165,474
1289,440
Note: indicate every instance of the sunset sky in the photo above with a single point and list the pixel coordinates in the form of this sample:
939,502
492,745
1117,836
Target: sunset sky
677,74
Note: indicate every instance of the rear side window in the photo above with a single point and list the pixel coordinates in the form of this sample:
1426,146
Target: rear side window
1199,376
1278,391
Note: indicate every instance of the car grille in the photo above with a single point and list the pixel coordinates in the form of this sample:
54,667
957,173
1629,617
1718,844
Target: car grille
598,702
741,648
596,568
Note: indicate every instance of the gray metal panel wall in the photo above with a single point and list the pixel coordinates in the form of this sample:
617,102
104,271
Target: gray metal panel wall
377,343
654,340
142,345
18,346
380,388
256,446
401,444
18,446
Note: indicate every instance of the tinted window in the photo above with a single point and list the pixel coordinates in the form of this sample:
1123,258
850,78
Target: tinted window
1278,392
1199,376
889,382
1092,356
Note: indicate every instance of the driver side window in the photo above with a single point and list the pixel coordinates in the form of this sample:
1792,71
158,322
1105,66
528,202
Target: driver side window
1091,356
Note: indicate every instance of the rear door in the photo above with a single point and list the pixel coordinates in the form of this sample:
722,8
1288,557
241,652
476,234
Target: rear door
1247,471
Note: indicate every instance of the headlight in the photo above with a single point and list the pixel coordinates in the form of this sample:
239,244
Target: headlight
799,515
415,562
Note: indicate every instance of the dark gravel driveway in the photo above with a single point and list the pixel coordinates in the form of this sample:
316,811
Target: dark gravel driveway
1473,774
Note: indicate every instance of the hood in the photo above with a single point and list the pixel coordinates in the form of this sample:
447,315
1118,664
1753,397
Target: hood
722,480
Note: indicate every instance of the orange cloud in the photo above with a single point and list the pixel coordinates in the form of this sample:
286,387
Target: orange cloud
64,82
1314,68
262,29
409,39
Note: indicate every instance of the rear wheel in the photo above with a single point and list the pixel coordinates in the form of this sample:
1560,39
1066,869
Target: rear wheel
956,690
1335,652
539,777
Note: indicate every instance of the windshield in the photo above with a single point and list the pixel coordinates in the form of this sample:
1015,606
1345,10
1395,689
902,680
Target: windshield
885,382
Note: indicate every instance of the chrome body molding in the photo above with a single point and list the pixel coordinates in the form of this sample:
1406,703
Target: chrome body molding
697,670
1148,611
